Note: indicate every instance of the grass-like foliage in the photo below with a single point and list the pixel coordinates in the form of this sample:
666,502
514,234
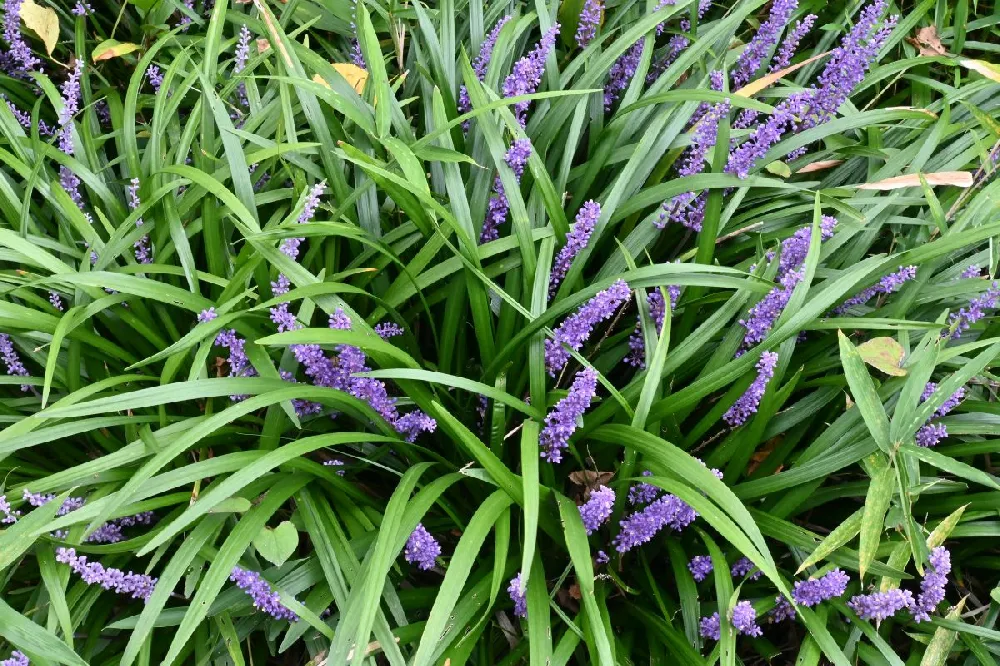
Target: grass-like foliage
466,332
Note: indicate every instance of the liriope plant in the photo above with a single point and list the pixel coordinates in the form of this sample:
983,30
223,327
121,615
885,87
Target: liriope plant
498,332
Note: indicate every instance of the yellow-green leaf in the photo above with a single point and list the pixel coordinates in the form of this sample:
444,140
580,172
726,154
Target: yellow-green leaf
112,48
987,69
42,21
779,168
883,354
940,646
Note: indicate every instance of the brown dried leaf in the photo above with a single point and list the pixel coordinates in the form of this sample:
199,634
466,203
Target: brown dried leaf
755,87
821,165
956,178
263,45
928,42
590,479
762,454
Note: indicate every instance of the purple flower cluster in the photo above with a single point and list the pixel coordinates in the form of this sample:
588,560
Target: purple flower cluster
479,65
657,310
82,9
621,74
749,61
112,531
527,73
963,320
422,548
242,56
744,566
710,627
881,605
676,44
782,610
16,659
590,19
812,107
700,566
155,77
763,315
815,590
887,285
496,209
576,240
576,329
143,252
641,526
336,462
13,362
791,42
19,58
972,271
388,330
24,118
562,421
795,248
930,434
137,586
933,584
597,509
643,493
56,300
239,364
8,515
743,618
206,316
747,404
263,595
516,592
70,105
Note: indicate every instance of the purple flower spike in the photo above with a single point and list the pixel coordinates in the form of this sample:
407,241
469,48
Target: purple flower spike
562,421
597,509
933,584
242,50
765,313
602,557
963,320
13,362
782,610
312,202
516,592
56,301
410,425
143,252
479,65
336,462
576,329
621,74
795,248
710,627
206,316
746,405
784,57
881,605
812,592
527,73
744,619
700,566
16,659
972,271
137,586
887,285
636,342
8,516
155,78
388,330
82,9
760,45
642,526
590,19
263,595
643,493
930,435
744,566
496,209
19,57
422,548
576,241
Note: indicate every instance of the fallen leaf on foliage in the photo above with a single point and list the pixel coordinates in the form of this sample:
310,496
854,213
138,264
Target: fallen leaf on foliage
590,479
928,42
989,70
42,21
956,178
850,403
112,48
883,354
820,166
263,45
574,591
759,456
355,75
755,87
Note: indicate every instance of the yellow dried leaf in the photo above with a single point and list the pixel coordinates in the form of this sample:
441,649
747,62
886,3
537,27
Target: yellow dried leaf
755,87
821,165
956,178
989,70
112,48
42,21
355,75
883,354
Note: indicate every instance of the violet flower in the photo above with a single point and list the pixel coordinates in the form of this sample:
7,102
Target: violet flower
336,462
744,619
562,421
143,252
881,605
56,301
206,316
9,515
710,627
643,493
963,320
20,57
746,405
750,60
621,74
782,610
636,342
388,330
576,329
479,66
70,105
590,19
576,241
700,566
11,359
16,658
795,248
972,271
517,595
597,509
933,584
422,549
930,434
137,586
155,78
788,47
498,205
526,74
744,566
641,526
763,315
263,595
24,119
82,9
602,557
815,590
887,285
675,46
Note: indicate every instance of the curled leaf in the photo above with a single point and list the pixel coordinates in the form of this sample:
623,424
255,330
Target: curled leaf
821,165
956,178
928,42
